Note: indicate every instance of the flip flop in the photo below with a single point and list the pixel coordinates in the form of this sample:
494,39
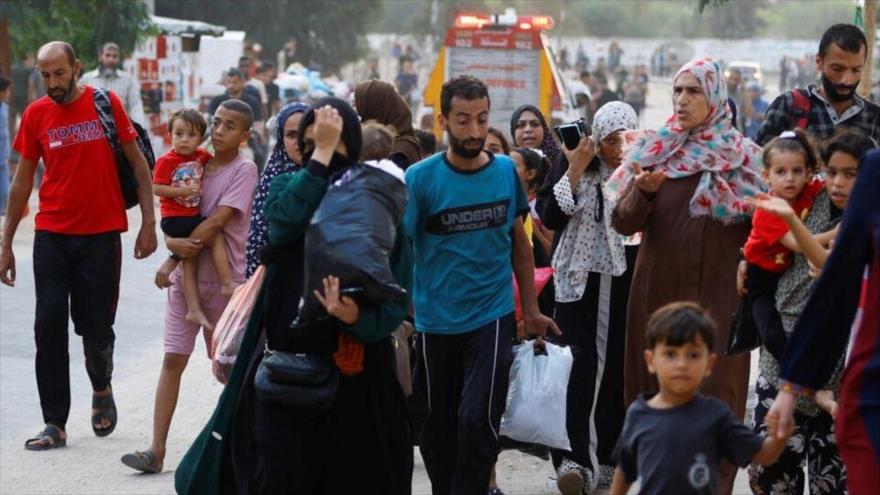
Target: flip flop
106,410
144,462
49,438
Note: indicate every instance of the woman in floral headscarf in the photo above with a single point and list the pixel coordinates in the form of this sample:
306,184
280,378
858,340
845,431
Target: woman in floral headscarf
592,281
683,186
286,158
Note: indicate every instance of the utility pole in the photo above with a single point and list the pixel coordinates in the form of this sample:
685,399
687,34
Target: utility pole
870,11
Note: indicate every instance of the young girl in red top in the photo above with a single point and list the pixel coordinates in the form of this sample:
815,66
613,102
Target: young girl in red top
789,163
177,182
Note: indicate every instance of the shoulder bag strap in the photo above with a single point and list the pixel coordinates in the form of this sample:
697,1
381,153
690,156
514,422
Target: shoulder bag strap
802,105
105,114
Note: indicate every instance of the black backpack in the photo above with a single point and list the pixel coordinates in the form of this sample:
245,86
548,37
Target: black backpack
127,180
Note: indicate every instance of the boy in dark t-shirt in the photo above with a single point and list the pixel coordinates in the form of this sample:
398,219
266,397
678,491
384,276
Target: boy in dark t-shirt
673,442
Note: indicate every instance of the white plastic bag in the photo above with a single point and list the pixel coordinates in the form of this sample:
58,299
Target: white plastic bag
536,397
232,324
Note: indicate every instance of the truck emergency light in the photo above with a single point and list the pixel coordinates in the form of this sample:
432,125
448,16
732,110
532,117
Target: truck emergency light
525,23
472,21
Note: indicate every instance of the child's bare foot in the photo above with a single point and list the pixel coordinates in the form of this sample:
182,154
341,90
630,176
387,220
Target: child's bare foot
825,400
228,288
199,318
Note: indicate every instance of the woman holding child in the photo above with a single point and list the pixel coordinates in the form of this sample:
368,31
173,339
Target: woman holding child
683,187
361,444
814,443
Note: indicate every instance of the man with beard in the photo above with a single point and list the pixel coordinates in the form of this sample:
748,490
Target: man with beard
820,110
77,246
464,217
109,76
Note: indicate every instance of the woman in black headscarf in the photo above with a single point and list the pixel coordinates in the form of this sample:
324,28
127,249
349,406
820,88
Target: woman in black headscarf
529,129
361,444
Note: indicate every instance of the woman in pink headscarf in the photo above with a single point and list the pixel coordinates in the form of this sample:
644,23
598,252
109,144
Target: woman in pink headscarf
683,187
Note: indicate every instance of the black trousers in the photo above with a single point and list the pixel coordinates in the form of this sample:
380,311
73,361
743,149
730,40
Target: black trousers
762,285
577,321
464,378
595,328
76,275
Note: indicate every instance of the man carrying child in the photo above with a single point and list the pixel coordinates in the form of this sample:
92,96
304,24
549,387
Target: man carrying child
177,182
226,194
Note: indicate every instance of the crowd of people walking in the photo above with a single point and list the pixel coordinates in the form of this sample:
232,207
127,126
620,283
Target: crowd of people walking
666,245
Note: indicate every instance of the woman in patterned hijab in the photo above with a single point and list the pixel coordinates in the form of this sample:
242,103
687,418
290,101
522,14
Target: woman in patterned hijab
593,269
683,187
286,158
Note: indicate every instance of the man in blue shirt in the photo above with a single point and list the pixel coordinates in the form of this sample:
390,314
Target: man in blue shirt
759,106
464,220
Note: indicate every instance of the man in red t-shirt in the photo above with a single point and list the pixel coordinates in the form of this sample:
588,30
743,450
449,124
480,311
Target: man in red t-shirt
77,247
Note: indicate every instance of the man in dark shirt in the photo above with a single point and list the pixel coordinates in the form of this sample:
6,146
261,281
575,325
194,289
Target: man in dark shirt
603,95
266,73
841,57
407,81
235,89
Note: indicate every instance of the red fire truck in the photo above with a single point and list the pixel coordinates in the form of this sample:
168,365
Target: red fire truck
508,52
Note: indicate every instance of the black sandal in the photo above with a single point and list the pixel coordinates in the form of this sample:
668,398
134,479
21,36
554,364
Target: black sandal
106,410
144,462
49,438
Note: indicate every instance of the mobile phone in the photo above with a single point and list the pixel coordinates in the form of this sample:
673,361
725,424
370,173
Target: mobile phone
570,134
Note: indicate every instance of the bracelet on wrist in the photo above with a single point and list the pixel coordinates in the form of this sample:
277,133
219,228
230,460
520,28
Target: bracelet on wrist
796,390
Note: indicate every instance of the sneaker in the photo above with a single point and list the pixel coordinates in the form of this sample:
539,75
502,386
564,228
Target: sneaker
570,479
589,482
604,478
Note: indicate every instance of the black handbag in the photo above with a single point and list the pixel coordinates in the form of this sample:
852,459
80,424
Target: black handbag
744,335
305,382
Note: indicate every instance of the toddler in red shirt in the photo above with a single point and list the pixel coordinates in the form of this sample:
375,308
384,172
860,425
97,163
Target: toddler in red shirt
177,182
789,164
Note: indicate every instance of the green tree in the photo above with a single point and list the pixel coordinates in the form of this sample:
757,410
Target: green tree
735,19
328,32
704,3
85,24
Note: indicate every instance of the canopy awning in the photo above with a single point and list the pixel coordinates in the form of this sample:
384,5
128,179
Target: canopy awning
178,27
